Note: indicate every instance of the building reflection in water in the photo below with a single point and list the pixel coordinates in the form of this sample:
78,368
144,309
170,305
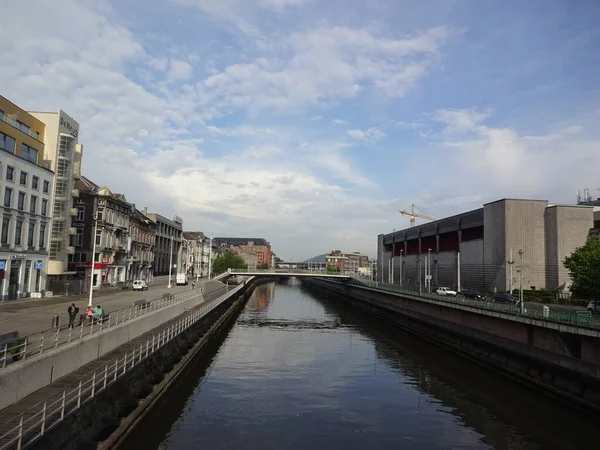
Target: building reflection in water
262,298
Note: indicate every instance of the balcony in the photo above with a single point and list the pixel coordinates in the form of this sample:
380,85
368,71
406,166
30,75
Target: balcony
74,192
72,231
73,212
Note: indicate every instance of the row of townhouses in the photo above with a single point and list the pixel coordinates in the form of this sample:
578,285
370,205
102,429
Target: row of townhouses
53,218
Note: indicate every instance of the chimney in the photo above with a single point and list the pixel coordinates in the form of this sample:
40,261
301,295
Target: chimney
145,210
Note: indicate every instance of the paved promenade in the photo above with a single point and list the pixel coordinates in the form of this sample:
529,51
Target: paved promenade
35,315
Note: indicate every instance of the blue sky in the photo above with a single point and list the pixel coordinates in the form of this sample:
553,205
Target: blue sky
311,123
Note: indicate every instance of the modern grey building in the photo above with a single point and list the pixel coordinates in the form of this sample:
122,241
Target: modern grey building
166,230
480,249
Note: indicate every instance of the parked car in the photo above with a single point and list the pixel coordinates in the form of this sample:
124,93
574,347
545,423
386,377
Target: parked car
503,297
473,294
594,306
446,291
140,285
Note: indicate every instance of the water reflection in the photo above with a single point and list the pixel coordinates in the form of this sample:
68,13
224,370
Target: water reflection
300,371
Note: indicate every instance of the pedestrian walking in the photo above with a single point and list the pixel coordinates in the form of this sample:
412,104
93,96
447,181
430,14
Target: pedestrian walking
193,285
72,311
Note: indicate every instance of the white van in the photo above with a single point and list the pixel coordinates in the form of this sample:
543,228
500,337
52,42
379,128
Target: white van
181,279
140,285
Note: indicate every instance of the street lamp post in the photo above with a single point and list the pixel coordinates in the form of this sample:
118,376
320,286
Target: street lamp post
521,305
93,260
210,257
429,271
169,286
401,266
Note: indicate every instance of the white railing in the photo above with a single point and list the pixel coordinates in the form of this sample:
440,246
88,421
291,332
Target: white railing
39,419
35,344
319,272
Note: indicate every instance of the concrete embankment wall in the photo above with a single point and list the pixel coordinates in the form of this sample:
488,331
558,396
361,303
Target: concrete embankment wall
520,350
20,380
105,422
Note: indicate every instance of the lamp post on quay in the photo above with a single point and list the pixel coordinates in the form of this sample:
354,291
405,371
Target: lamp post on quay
93,263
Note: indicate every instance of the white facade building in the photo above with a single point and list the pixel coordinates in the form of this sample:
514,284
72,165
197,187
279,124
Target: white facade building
25,209
62,154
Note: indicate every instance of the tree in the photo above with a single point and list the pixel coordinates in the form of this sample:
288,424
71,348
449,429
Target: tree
228,260
333,269
263,266
584,269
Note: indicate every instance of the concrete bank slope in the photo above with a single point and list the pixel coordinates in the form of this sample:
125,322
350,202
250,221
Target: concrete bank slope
144,370
25,377
563,362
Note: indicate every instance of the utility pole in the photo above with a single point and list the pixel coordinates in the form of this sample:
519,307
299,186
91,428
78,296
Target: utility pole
419,261
458,263
210,257
392,269
521,305
429,271
401,266
512,283
93,264
169,286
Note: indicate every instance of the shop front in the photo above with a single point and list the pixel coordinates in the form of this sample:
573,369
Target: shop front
21,274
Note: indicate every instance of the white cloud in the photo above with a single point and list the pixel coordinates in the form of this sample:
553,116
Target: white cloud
322,67
179,71
244,130
372,134
339,122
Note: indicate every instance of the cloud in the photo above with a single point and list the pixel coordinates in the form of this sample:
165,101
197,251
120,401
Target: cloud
244,130
339,122
323,67
179,71
370,135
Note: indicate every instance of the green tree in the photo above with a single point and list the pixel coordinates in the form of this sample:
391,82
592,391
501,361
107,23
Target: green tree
263,266
228,260
333,269
584,269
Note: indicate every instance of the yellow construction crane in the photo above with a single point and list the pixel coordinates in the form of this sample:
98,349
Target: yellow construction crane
413,215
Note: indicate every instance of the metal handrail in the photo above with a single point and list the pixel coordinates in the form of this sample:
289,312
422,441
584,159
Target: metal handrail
37,420
575,317
38,343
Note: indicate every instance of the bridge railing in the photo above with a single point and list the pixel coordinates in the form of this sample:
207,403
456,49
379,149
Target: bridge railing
39,419
22,348
298,271
573,317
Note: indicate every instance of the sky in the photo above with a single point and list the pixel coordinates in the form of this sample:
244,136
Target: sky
311,123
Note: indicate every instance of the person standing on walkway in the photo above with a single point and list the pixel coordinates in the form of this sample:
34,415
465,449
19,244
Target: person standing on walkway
72,311
193,285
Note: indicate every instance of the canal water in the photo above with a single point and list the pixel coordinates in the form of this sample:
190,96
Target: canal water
301,371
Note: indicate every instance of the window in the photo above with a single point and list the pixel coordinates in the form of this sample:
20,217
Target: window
18,232
5,225
98,237
10,173
33,204
30,235
7,197
23,179
29,153
21,201
34,182
44,207
79,237
7,143
100,214
46,186
80,212
24,128
42,235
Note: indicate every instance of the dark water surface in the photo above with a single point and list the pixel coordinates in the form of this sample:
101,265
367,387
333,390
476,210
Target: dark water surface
300,371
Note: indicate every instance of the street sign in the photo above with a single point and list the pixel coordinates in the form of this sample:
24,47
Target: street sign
2,265
38,265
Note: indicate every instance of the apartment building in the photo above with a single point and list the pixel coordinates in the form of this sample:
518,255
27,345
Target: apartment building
258,246
26,185
62,154
140,246
346,262
199,253
167,244
108,214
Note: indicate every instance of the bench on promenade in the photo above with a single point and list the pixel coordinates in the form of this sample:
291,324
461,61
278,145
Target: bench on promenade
141,303
7,338
11,346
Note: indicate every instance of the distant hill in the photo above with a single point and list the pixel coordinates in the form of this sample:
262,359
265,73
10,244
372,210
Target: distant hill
318,259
